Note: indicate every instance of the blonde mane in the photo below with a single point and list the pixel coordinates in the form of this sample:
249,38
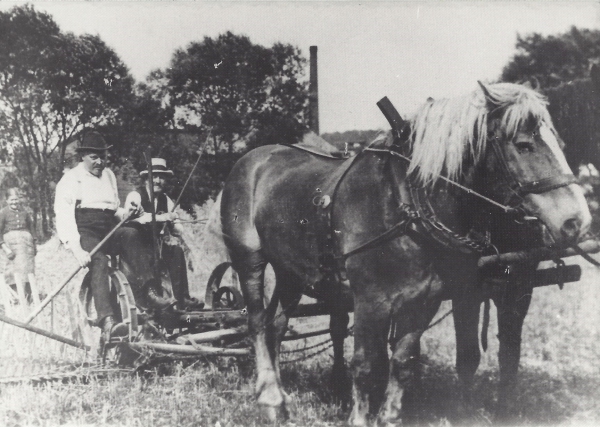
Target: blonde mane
445,131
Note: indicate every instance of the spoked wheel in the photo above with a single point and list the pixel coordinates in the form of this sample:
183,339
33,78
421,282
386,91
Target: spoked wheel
218,296
228,297
125,311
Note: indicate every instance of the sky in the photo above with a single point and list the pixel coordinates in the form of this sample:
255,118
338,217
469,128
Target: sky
406,50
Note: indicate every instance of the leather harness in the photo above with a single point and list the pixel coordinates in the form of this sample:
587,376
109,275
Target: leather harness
418,212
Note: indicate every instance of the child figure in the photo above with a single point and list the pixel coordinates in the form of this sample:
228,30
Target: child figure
18,243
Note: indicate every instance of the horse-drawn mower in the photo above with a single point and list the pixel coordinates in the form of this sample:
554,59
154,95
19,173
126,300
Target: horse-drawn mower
153,336
219,329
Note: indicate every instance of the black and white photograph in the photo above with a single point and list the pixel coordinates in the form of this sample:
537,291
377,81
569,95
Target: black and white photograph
299,213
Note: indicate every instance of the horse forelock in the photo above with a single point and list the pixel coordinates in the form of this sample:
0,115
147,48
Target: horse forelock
445,132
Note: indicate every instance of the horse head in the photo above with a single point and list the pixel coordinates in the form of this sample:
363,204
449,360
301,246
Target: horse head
500,140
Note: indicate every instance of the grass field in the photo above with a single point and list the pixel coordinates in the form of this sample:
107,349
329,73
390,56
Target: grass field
559,376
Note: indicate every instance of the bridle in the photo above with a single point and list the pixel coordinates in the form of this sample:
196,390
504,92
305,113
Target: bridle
512,205
517,190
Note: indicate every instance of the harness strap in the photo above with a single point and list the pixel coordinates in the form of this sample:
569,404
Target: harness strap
505,208
397,230
585,256
323,199
546,184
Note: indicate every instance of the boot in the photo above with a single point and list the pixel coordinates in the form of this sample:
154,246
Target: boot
110,328
156,301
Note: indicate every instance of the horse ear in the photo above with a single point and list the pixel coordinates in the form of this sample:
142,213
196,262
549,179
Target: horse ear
595,76
488,98
536,83
532,83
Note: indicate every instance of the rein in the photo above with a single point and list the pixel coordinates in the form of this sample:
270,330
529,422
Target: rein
505,208
519,189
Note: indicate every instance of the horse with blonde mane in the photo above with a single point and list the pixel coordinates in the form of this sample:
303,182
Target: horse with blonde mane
405,224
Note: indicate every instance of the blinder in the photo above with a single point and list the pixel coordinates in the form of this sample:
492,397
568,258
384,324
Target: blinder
522,189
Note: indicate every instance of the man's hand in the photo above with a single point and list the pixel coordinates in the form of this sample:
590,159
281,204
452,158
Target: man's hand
83,257
133,205
134,210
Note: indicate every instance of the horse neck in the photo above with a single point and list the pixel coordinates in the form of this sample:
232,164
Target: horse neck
366,204
370,198
453,207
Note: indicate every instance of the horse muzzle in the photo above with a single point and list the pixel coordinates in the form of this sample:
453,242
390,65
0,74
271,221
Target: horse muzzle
564,212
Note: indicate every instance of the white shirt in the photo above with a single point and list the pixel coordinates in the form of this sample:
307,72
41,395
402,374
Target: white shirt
93,192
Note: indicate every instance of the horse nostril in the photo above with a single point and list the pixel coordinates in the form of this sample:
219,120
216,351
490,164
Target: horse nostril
571,228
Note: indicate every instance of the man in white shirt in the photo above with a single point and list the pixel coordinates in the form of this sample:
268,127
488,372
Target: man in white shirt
170,241
87,209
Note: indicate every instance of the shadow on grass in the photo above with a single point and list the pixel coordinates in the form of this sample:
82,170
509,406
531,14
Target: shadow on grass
540,397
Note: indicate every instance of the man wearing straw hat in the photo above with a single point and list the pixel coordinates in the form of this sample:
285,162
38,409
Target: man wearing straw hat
171,252
87,209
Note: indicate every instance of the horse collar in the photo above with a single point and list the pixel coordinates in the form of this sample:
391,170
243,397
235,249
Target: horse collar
433,228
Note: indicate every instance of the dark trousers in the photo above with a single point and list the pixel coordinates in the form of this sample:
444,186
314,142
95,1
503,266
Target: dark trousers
93,226
174,259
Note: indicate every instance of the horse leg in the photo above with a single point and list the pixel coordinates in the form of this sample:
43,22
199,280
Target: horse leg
285,298
339,302
250,266
512,304
370,361
466,323
410,320
340,381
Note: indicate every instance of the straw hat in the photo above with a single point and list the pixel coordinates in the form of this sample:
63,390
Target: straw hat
159,166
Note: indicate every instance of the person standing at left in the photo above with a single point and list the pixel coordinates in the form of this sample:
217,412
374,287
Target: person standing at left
19,244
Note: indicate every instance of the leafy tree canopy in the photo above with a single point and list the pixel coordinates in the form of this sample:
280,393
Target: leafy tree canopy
221,97
242,91
52,86
553,59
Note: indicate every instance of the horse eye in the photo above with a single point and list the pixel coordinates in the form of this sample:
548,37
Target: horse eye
524,147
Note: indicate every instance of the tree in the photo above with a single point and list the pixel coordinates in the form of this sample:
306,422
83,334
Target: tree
553,59
53,85
240,90
242,94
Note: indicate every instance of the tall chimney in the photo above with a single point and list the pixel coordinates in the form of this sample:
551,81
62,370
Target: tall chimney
313,93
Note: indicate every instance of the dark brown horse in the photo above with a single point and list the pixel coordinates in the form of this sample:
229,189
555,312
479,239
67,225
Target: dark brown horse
405,238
